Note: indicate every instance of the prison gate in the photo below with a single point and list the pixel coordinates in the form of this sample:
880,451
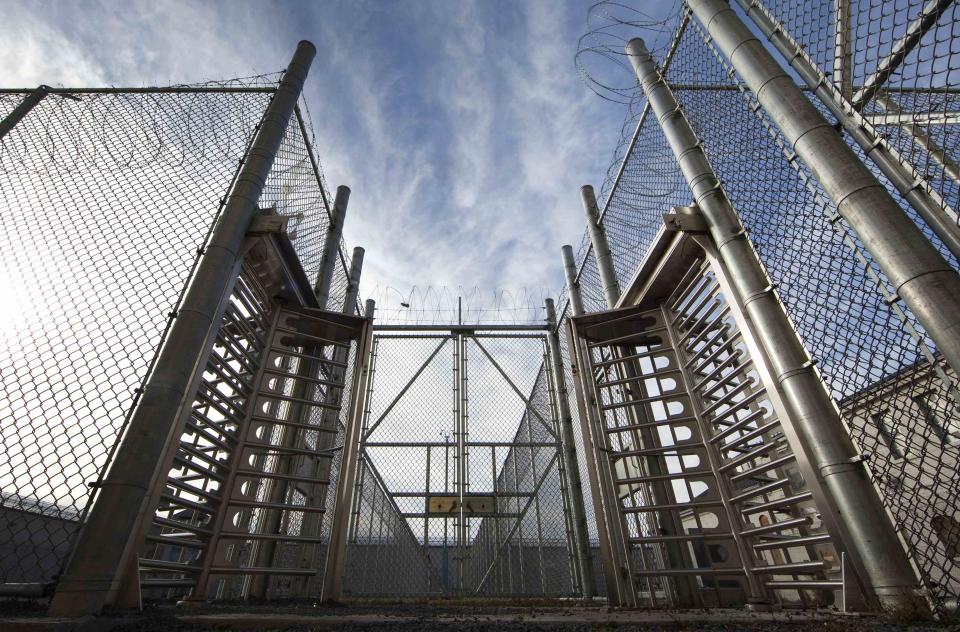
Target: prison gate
746,398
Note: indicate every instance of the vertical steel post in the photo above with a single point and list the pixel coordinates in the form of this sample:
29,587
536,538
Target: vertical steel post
902,175
334,565
573,285
109,542
866,532
581,537
331,247
353,289
601,248
916,270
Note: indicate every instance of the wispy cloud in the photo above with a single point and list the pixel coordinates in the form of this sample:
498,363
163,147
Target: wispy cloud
462,128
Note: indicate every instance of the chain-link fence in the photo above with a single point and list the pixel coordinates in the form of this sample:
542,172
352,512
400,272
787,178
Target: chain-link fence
107,198
460,492
896,68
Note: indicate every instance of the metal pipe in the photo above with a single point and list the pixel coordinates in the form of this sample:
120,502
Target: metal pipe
465,328
331,246
912,123
153,90
866,533
353,288
581,537
916,270
601,248
929,15
332,588
32,98
915,188
842,54
573,285
108,544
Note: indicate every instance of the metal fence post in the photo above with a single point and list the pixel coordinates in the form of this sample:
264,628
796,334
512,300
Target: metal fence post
334,564
573,286
353,289
917,272
571,465
902,175
842,55
601,248
108,544
331,246
865,530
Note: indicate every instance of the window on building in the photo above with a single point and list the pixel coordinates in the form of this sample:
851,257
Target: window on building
936,421
887,434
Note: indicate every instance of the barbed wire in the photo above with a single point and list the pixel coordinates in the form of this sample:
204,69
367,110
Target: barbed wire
448,305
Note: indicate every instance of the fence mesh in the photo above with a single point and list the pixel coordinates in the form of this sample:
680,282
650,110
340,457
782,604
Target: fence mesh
449,414
874,357
107,197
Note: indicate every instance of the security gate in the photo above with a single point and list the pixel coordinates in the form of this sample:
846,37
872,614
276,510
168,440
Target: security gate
459,490
697,486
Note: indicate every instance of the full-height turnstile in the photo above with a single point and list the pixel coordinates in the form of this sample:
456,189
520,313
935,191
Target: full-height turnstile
241,512
701,492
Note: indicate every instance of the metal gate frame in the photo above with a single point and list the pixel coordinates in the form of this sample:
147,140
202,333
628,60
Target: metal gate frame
464,502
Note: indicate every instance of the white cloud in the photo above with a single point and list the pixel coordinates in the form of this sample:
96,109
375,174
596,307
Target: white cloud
464,162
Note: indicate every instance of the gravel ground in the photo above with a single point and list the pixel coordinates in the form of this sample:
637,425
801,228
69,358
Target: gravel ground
430,616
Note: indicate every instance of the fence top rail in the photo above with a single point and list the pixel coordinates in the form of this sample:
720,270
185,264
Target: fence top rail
464,328
144,90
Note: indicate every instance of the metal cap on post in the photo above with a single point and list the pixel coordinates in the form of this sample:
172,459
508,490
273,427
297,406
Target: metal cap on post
578,515
848,498
573,285
601,248
105,554
331,246
370,307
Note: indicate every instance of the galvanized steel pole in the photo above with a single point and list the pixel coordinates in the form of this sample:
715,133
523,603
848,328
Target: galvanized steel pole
601,248
908,182
573,286
353,289
916,270
570,464
866,532
109,543
331,247
334,565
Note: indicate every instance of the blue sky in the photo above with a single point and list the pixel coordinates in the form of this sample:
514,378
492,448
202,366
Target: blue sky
462,127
